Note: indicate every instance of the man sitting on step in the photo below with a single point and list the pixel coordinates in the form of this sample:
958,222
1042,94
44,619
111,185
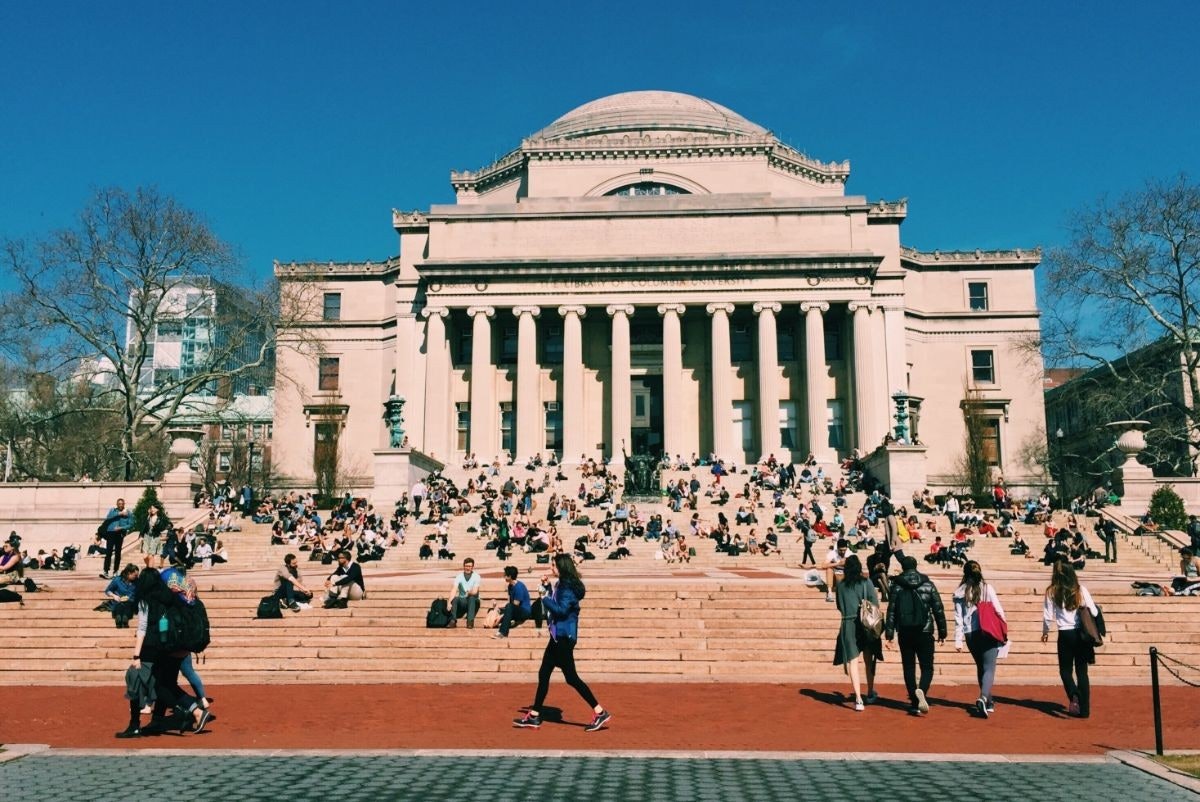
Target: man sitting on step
464,596
346,583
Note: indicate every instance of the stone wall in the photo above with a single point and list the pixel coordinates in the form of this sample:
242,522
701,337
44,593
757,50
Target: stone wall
53,514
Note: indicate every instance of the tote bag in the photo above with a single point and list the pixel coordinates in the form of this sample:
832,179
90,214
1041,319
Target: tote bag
991,622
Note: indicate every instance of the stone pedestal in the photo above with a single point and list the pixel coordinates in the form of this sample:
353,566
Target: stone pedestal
900,468
180,484
1136,481
397,470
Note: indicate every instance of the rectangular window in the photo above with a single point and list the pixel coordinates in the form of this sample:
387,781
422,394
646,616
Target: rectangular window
554,429
332,309
463,425
328,368
508,346
991,441
743,425
788,427
983,367
786,343
977,296
741,344
833,345
466,337
224,458
226,431
508,440
552,345
259,431
837,425
270,430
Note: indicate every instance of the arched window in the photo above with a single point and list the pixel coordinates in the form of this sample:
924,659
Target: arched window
643,188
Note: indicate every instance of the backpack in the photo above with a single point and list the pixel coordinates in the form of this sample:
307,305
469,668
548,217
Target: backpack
911,610
268,607
438,616
177,627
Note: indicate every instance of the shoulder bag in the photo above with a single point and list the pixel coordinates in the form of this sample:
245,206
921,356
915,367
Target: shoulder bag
991,622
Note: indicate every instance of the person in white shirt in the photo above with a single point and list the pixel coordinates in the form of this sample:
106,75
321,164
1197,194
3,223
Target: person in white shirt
984,647
464,596
835,562
419,492
1065,599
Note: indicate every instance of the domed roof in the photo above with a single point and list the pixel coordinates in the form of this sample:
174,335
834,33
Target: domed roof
649,111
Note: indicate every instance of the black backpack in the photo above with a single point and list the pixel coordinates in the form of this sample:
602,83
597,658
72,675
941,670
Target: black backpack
911,610
268,607
177,627
438,616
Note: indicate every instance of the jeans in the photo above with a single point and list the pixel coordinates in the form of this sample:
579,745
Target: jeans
287,593
465,605
1073,668
808,555
560,654
512,616
113,541
1110,548
189,673
984,650
916,645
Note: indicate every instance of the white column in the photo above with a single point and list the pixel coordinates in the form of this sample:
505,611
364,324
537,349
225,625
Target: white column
672,379
620,382
719,377
531,427
436,441
881,419
485,416
894,343
864,363
768,380
815,378
574,433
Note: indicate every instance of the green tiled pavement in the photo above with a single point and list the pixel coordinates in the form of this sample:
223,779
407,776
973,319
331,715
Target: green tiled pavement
473,779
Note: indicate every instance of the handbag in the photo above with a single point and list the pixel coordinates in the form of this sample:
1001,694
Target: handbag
1091,627
870,617
991,623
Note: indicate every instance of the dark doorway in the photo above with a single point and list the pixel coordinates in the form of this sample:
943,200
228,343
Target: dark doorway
647,415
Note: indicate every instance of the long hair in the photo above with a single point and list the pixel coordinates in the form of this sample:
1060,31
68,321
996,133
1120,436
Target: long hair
853,570
569,574
1064,586
972,582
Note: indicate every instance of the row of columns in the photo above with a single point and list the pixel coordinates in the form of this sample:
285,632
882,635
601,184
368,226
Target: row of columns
869,350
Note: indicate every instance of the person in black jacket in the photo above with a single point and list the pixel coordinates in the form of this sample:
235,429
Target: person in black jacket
914,608
346,584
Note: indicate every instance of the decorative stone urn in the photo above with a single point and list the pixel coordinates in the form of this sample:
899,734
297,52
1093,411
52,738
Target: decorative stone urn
1132,440
1136,480
184,446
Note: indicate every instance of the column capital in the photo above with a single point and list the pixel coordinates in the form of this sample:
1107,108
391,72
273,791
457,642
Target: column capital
526,310
868,306
622,309
712,309
487,311
579,311
768,306
809,306
678,309
430,311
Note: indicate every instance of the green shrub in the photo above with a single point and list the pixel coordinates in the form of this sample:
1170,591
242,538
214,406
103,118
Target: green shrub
141,511
1166,508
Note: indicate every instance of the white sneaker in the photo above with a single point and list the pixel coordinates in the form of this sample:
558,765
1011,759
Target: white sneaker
858,707
922,702
828,597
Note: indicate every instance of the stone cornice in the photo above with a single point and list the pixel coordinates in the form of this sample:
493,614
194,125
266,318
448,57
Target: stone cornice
957,260
888,211
415,220
338,270
647,146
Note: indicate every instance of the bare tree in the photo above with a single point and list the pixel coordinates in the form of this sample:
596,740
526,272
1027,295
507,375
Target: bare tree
136,269
1121,300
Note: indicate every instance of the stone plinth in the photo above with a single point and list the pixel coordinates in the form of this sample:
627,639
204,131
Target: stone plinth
179,485
396,470
1136,481
901,469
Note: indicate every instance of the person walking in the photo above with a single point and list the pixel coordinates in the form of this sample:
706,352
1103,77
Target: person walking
856,646
1064,604
984,648
914,609
560,602
116,524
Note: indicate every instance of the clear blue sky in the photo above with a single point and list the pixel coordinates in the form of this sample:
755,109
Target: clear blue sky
296,127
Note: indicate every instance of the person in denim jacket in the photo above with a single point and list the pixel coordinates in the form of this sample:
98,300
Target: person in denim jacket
560,602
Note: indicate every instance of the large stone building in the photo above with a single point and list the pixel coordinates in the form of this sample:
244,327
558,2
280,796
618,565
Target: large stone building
654,270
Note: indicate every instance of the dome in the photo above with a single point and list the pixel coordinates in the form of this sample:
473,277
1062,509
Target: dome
649,111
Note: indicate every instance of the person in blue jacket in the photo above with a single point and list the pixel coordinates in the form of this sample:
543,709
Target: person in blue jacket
560,602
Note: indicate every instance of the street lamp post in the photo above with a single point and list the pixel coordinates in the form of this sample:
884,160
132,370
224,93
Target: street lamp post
1062,484
250,465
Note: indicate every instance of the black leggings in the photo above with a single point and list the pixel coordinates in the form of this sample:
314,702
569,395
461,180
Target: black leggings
1073,656
165,670
560,654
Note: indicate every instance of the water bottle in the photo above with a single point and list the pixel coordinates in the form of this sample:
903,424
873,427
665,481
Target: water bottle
163,626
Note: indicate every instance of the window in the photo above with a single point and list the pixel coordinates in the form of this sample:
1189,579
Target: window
977,296
833,345
983,367
226,431
508,440
270,430
466,337
552,345
170,330
991,441
741,344
332,309
644,188
259,431
837,425
554,428
463,424
224,458
643,333
327,373
743,425
787,426
508,346
785,342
